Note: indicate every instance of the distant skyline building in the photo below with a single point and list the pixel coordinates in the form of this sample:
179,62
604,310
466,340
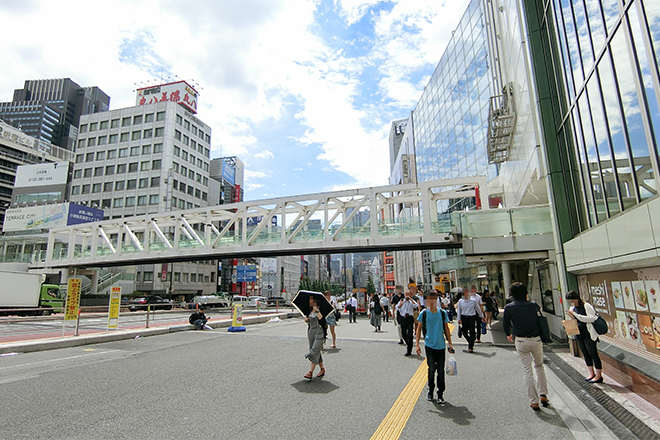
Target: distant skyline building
396,135
50,109
229,171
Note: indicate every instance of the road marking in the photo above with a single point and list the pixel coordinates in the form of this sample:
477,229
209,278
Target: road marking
392,425
396,419
68,358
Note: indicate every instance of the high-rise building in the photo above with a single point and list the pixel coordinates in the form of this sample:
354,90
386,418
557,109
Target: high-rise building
146,159
229,171
50,109
396,135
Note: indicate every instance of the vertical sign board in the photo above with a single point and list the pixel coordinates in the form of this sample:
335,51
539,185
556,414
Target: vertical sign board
72,299
113,311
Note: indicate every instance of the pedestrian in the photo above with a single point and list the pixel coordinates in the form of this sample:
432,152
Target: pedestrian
489,304
199,319
587,340
395,315
315,336
385,303
477,298
406,308
435,326
376,312
468,314
330,319
520,320
352,308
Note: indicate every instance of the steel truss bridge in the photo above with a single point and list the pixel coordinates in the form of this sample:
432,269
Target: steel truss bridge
399,217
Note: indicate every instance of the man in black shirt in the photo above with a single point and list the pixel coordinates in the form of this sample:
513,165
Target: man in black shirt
198,319
520,321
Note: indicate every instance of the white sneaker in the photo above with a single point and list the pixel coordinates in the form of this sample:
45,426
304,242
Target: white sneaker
208,327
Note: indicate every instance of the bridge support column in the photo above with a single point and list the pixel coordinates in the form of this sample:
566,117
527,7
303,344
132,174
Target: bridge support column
95,282
64,277
506,277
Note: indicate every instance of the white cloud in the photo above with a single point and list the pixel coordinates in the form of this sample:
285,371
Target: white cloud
265,155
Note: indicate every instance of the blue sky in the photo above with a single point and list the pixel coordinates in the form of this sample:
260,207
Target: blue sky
302,91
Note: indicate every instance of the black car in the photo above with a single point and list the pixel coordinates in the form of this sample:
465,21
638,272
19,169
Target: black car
275,301
153,301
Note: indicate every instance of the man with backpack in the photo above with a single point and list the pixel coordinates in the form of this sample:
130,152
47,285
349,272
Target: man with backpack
435,326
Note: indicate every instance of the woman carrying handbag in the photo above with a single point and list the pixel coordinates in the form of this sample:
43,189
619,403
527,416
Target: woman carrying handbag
587,339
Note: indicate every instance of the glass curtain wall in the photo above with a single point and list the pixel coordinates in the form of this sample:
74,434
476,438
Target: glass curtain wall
610,52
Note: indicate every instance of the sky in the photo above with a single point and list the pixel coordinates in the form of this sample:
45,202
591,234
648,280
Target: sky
302,91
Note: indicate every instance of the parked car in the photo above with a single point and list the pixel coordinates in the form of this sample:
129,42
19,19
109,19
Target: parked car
276,301
208,301
239,299
143,302
253,301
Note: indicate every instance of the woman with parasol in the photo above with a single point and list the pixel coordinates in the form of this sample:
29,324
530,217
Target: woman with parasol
315,335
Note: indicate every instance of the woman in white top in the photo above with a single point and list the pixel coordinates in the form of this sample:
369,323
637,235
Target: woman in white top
588,338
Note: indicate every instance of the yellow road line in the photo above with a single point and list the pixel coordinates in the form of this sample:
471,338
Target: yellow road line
392,425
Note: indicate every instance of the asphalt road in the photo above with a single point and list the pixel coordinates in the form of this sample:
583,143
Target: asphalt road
216,384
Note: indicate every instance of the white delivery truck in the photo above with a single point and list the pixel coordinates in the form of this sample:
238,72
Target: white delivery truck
28,293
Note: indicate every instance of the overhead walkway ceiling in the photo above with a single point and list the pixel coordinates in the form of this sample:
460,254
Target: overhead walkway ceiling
332,222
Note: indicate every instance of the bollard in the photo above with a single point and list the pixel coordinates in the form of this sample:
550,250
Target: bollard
277,306
77,324
148,311
258,308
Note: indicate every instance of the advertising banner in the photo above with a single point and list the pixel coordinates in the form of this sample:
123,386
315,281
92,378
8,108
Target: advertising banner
180,92
228,172
49,216
113,311
52,173
72,299
83,214
629,300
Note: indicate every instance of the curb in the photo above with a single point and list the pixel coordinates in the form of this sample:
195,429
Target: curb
76,341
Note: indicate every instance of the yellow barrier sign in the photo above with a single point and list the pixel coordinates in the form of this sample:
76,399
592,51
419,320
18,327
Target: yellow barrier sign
72,299
237,321
113,310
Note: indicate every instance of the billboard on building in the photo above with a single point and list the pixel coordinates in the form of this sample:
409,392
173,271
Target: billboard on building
180,92
228,172
51,173
49,216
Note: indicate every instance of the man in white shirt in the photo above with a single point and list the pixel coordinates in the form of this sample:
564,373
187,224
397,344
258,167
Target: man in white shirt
352,308
477,298
405,309
385,303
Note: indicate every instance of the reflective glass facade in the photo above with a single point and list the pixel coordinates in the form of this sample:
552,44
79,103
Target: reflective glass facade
611,117
451,117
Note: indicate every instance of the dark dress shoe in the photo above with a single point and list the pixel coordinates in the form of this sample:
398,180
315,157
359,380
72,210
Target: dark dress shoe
596,380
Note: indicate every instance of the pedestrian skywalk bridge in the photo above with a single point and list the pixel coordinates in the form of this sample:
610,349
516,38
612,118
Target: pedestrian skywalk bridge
380,218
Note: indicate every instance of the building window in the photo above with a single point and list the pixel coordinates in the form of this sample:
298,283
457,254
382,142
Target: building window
130,201
75,190
87,172
100,155
82,143
182,204
114,123
137,119
177,151
89,157
132,167
106,203
125,122
149,117
112,154
131,184
144,183
160,131
184,156
118,203
204,196
153,199
80,158
98,171
103,140
206,166
177,135
103,125
144,166
192,160
113,138
184,171
182,187
191,174
119,185
148,276
91,142
135,151
123,152
186,125
198,177
107,187
160,116
156,164
158,148
96,188
83,128
148,133
193,277
185,278
146,149
121,168
109,170
142,200
92,126
173,202
85,189
179,119
124,137
205,181
155,181
186,140
136,135
191,189
175,167
198,193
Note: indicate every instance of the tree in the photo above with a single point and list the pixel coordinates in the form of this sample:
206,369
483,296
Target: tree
371,288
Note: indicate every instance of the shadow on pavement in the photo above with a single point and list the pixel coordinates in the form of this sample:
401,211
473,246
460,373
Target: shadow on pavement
316,386
481,353
550,415
460,415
